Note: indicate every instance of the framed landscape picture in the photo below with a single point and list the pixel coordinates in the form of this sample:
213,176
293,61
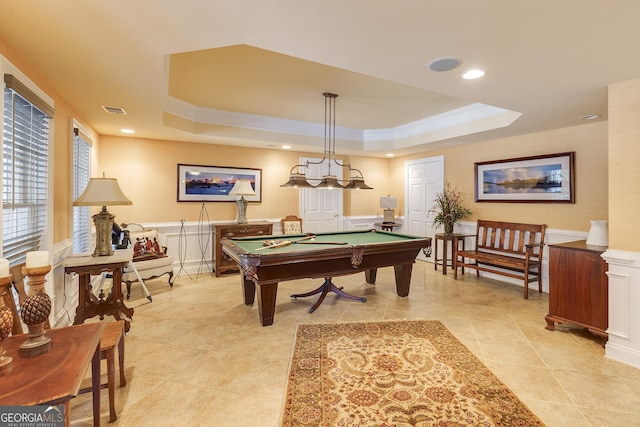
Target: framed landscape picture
198,183
535,179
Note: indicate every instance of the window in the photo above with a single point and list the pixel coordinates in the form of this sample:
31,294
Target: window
25,158
81,175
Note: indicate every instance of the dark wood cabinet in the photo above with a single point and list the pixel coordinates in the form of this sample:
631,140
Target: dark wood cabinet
578,287
221,261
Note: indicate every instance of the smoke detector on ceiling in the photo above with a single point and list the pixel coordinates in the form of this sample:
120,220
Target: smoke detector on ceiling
443,64
114,110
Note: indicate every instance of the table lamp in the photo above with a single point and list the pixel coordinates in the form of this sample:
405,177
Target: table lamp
102,192
242,188
388,203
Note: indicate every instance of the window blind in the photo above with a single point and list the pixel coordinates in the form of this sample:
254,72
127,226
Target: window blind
81,175
24,173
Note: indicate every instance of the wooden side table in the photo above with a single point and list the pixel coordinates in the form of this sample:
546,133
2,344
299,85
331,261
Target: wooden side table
54,378
88,304
457,244
387,226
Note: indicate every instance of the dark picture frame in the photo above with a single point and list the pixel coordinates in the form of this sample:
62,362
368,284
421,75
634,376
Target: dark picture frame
535,179
200,183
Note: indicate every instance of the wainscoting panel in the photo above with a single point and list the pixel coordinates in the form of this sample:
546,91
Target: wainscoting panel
197,250
624,299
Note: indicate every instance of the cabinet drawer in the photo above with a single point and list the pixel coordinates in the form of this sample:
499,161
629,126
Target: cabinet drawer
247,231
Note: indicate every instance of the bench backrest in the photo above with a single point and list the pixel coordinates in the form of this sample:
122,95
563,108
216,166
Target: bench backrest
509,237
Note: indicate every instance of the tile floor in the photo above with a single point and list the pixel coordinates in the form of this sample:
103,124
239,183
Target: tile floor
197,356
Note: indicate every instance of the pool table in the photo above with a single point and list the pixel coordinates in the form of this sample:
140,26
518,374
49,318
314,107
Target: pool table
322,255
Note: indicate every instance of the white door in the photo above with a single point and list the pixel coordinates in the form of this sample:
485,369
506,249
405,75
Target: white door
321,209
424,179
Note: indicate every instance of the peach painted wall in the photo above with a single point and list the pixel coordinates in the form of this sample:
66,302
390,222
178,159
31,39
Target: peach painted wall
589,142
147,172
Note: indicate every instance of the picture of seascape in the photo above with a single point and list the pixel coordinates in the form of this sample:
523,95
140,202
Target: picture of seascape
535,179
213,184
523,180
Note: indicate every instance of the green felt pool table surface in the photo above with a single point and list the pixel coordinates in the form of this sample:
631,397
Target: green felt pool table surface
320,241
326,255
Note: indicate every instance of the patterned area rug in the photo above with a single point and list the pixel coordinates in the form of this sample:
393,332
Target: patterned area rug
393,374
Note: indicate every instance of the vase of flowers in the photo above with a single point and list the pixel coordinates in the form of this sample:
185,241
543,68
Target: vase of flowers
448,208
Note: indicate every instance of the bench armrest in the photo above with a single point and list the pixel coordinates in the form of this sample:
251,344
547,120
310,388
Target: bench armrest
529,248
533,245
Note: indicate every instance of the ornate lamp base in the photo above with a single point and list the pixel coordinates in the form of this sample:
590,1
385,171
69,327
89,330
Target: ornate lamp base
389,216
242,210
103,222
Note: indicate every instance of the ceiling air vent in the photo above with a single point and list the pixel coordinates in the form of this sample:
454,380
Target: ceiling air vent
114,110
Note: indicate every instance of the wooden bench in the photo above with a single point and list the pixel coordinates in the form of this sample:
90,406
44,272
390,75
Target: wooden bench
508,249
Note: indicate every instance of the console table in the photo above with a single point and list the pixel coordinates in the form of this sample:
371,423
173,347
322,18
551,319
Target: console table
221,261
54,378
578,287
88,304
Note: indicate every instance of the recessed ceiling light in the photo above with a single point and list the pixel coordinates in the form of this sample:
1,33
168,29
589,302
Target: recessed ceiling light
127,131
473,74
443,64
590,117
286,147
389,154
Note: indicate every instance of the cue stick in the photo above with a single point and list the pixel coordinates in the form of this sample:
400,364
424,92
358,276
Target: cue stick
287,242
323,243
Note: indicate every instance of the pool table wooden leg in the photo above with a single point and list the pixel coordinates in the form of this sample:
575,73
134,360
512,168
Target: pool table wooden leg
248,289
267,302
403,278
370,275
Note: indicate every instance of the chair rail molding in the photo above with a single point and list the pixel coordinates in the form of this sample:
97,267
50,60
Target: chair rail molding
193,258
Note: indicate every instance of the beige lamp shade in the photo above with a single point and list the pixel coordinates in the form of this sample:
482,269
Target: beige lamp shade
102,192
388,202
242,187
